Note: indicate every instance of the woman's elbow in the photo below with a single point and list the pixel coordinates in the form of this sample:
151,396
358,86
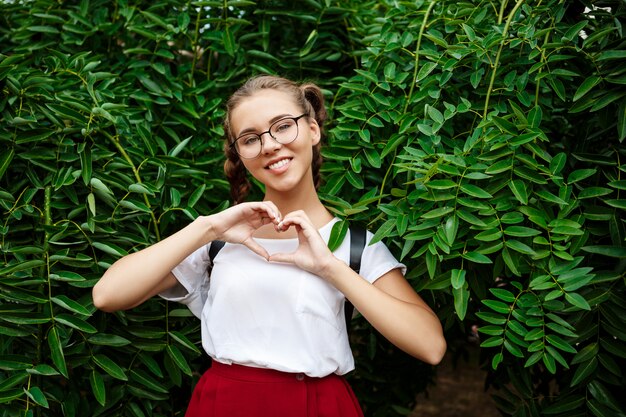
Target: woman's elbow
102,300
437,352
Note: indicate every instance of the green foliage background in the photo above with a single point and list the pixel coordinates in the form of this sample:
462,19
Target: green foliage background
483,141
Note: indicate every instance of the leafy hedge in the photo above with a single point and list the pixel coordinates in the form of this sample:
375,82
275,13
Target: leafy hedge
481,141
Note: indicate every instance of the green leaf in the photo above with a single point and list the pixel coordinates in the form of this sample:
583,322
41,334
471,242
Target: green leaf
196,195
574,31
110,248
174,353
548,196
105,339
559,343
426,69
109,366
617,203
519,191
431,264
489,235
507,257
492,318
140,189
614,54
579,175
577,300
337,234
141,377
70,305
21,266
228,41
383,231
97,387
493,341
184,341
75,322
497,306
56,351
450,228
5,160
586,86
475,191
548,361
584,371
477,258
179,147
521,231
564,404
35,394
438,212
470,218
502,294
496,360
457,278
441,184
611,251
520,247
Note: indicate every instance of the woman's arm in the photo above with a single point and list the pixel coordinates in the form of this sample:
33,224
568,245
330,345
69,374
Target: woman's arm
136,277
394,309
391,305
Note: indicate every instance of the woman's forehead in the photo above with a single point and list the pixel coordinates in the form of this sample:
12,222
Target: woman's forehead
262,106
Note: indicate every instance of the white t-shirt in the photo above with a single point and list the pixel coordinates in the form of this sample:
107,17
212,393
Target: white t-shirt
273,315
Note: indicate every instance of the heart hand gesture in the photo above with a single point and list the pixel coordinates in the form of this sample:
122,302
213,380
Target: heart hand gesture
312,253
237,224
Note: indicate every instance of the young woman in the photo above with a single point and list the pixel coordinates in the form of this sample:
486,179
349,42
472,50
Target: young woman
272,310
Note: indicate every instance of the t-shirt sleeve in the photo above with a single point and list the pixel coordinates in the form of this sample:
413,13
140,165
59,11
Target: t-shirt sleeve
193,281
377,260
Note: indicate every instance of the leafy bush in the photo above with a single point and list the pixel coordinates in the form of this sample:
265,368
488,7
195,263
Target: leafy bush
488,146
482,142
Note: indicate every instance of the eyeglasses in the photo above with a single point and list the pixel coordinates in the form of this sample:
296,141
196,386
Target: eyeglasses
283,131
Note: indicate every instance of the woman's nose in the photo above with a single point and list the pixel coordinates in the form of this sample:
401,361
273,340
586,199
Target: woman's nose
269,144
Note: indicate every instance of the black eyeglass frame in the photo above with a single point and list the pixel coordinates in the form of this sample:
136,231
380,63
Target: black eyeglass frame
233,144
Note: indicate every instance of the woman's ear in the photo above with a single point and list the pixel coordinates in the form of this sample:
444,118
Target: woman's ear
316,133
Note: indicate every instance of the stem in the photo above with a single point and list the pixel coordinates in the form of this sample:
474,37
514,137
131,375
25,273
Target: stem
417,55
382,186
497,60
45,271
194,45
543,58
501,13
408,100
116,142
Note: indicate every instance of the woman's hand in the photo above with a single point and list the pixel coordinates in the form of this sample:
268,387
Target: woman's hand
312,253
237,224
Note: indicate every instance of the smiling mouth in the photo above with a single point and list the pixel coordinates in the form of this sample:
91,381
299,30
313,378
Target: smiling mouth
278,164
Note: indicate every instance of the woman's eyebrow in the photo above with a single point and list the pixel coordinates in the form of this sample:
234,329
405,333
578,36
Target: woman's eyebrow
272,120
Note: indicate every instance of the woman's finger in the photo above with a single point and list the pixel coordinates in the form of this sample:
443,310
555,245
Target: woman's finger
274,209
256,248
288,258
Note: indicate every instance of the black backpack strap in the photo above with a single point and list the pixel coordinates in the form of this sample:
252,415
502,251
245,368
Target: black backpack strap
357,244
215,247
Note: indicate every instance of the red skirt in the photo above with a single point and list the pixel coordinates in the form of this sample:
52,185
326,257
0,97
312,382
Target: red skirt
235,390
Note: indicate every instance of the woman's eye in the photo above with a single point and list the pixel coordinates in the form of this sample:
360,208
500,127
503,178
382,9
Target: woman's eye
283,126
249,140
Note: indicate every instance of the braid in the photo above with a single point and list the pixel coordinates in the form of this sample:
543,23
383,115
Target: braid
315,100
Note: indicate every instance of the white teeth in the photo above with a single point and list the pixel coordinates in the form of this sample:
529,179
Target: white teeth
278,164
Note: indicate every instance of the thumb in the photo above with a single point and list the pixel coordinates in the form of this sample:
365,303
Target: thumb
287,258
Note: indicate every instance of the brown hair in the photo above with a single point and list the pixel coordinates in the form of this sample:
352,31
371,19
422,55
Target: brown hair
308,96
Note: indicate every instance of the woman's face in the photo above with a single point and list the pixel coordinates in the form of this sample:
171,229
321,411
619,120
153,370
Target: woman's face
281,168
